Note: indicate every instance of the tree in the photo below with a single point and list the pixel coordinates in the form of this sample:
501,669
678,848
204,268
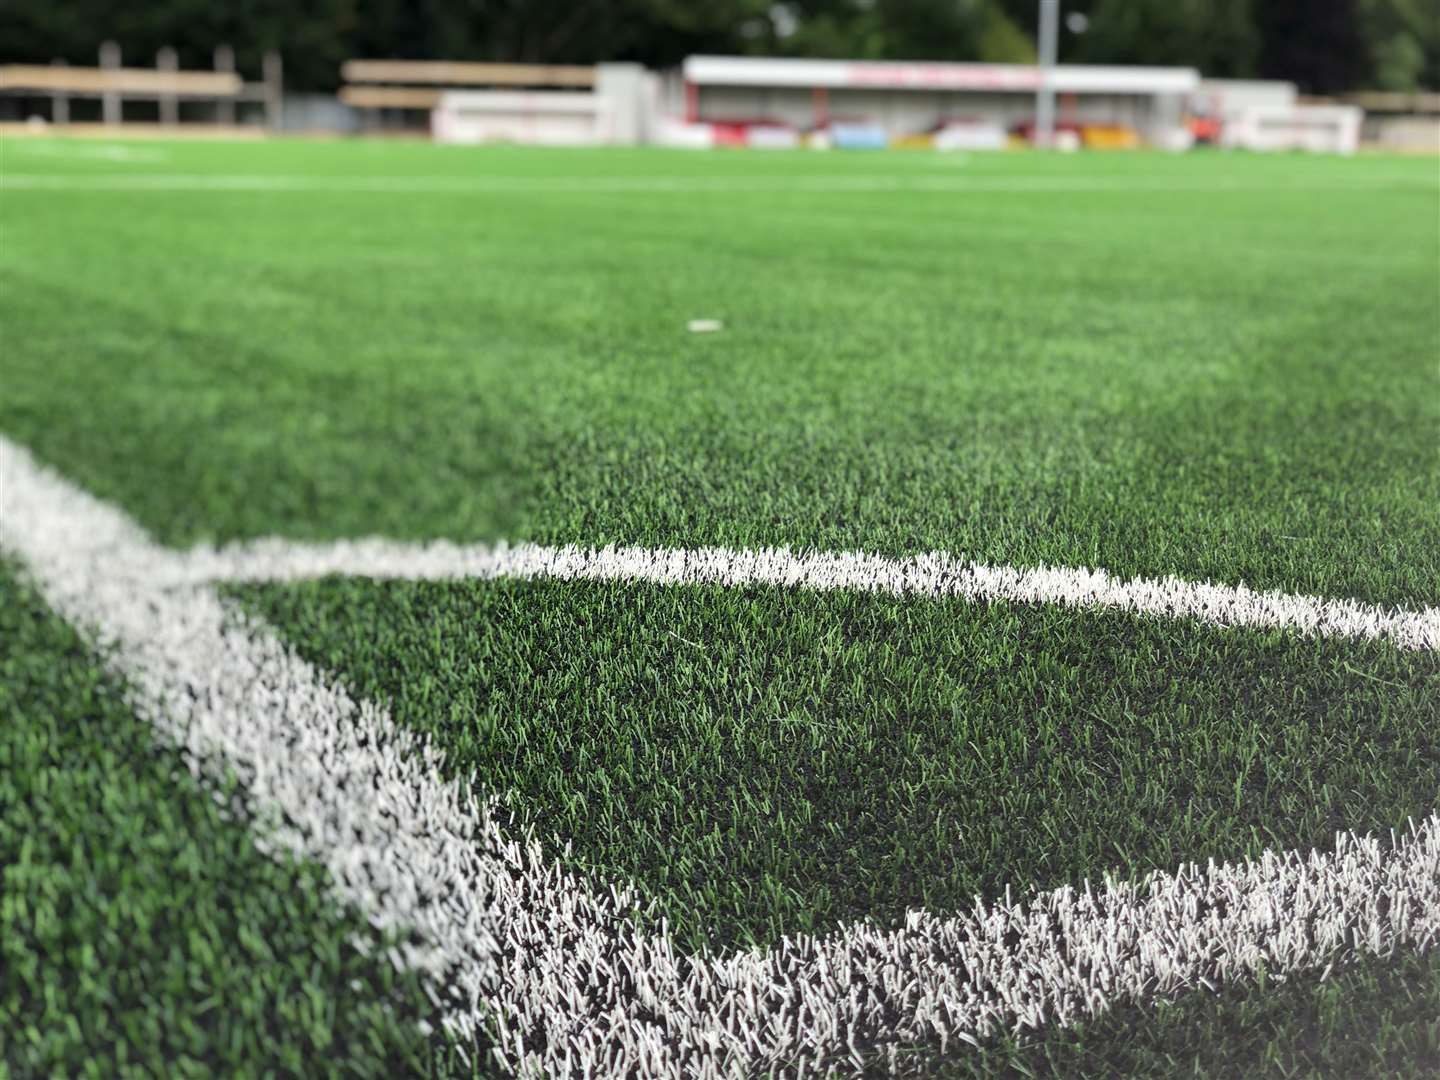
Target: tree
897,29
1404,42
1316,44
1216,36
1324,45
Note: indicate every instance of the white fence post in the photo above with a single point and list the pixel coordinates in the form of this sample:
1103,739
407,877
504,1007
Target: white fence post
225,107
59,100
274,74
167,61
110,101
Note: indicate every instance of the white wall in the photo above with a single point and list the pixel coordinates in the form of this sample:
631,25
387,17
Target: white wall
541,117
622,110
1333,129
1229,97
630,101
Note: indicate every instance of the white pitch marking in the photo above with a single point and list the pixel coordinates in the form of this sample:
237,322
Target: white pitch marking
116,152
933,575
599,185
571,981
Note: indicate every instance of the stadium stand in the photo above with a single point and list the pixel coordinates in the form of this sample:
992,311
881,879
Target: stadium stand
114,85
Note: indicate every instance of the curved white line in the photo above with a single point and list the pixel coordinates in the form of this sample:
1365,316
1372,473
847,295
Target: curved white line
571,981
932,575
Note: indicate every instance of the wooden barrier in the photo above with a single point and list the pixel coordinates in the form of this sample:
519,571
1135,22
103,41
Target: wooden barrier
1419,103
421,82
165,84
452,73
390,97
131,82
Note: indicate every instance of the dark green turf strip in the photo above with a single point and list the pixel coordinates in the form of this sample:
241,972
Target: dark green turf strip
1234,384
768,761
141,932
1378,1019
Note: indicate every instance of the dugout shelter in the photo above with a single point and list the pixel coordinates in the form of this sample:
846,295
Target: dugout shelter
903,99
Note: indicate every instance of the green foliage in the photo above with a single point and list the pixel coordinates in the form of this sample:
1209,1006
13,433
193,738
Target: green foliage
1217,36
1335,45
1404,38
1004,42
1318,44
1399,61
893,29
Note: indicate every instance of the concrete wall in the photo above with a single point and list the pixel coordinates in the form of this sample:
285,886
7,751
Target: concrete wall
631,102
318,113
1410,134
621,111
1229,98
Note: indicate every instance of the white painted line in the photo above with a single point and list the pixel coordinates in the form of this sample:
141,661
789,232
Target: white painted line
933,575
110,152
694,184
573,981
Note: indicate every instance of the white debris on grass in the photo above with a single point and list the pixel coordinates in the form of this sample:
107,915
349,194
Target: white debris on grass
704,326
568,980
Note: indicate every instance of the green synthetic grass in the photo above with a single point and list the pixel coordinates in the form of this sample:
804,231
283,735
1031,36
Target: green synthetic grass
1377,1019
1235,378
140,926
141,932
1236,383
769,761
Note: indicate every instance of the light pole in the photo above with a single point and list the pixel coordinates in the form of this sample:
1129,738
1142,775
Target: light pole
1045,90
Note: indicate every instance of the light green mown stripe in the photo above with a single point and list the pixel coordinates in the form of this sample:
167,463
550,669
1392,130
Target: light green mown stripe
1228,385
769,761
141,932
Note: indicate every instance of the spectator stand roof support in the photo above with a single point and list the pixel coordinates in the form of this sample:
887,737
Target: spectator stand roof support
164,84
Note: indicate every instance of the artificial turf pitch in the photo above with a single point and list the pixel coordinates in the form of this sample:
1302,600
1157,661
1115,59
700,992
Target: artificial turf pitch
1218,367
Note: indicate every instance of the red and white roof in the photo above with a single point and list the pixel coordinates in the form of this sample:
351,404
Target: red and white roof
934,75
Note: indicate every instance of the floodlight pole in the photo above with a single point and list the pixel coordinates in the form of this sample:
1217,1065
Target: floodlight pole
1045,90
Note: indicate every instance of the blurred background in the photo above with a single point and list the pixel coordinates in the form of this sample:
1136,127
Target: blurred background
569,71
